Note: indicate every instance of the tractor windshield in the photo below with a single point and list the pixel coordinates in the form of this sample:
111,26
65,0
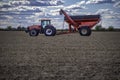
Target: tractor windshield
45,23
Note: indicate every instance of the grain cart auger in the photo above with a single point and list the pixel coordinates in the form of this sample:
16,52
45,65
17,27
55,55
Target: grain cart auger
82,23
45,28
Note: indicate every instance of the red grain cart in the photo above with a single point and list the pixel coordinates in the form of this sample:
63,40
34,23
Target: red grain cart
82,23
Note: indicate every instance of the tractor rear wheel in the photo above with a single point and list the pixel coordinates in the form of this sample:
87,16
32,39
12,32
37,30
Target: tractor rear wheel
85,31
33,32
49,31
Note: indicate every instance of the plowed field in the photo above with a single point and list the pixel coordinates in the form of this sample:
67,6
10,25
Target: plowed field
62,57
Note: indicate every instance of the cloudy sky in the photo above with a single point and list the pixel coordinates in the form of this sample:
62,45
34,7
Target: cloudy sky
29,12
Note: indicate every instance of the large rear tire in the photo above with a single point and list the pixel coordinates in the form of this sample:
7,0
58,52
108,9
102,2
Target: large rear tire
33,32
49,31
85,31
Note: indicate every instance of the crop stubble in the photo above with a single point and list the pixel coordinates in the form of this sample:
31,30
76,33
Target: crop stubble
62,57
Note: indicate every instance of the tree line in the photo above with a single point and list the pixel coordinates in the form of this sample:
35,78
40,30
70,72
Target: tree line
110,28
97,28
10,28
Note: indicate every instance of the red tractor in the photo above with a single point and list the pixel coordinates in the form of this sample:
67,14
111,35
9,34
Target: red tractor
45,28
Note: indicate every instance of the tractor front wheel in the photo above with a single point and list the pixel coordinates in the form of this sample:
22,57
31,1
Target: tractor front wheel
85,31
49,31
33,32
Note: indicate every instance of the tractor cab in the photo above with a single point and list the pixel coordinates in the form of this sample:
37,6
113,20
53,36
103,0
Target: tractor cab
45,22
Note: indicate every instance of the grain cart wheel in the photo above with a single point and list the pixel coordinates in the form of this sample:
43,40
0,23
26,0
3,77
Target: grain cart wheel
85,31
33,32
49,31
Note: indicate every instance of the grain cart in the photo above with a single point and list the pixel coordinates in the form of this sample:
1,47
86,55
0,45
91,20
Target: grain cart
45,28
82,23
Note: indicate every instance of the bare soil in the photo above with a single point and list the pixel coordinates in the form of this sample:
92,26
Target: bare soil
61,57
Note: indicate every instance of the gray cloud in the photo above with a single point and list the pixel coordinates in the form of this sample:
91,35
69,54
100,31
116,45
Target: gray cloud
100,1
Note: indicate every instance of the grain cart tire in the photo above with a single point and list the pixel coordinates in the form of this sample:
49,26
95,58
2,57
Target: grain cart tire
33,32
49,31
85,31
